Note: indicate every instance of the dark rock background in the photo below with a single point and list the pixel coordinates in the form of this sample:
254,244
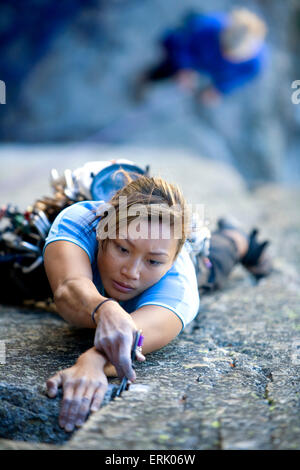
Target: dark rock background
69,68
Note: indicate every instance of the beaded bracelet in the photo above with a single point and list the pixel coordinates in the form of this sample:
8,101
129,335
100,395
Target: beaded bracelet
96,308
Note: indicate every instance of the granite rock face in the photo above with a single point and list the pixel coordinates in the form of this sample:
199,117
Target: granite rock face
37,344
231,380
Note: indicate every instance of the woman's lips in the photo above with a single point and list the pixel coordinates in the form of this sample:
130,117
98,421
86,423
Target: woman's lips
121,287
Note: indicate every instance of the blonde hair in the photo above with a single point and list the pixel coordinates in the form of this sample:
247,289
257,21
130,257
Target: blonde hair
243,30
156,196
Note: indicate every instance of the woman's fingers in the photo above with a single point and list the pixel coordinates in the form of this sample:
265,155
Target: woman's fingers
68,388
70,414
53,384
117,349
77,402
85,405
139,356
114,336
82,383
124,360
98,397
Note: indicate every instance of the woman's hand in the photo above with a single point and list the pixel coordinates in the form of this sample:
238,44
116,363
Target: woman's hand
84,386
115,334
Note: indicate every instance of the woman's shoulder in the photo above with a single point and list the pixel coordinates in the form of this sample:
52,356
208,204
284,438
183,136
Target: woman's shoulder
84,206
83,212
77,224
184,265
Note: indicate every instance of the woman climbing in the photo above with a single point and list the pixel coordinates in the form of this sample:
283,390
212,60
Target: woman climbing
112,268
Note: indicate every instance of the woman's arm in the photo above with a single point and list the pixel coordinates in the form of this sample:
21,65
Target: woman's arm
159,325
84,384
69,272
70,275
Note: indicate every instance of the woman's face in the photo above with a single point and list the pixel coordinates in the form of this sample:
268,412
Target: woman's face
129,266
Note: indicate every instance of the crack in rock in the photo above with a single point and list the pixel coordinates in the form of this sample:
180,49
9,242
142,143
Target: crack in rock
29,415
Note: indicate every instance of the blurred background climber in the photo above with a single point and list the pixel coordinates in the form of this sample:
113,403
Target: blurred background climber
69,68
228,49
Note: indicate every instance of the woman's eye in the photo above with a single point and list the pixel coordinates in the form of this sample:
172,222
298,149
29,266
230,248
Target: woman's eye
154,263
122,249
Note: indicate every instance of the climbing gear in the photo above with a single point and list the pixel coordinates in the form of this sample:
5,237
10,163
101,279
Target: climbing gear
198,246
139,338
23,234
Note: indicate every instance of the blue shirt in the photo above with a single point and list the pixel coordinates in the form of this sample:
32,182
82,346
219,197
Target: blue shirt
197,46
177,290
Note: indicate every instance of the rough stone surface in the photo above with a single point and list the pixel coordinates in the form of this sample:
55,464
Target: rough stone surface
37,345
229,381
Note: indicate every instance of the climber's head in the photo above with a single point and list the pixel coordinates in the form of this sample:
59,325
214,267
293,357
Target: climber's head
140,234
243,36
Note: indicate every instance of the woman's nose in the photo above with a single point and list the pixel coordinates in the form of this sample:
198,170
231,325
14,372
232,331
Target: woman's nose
131,270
